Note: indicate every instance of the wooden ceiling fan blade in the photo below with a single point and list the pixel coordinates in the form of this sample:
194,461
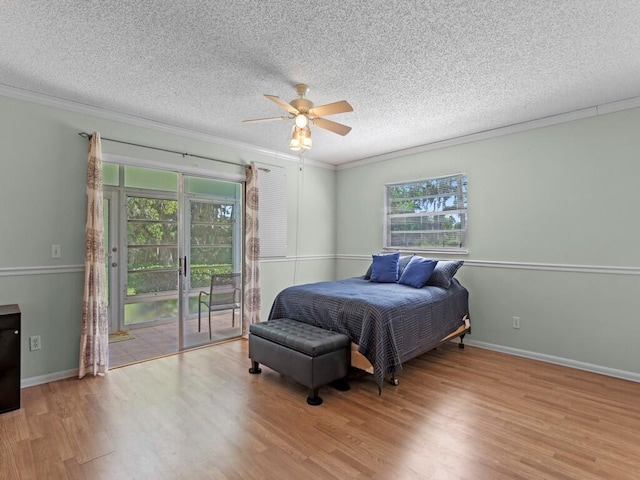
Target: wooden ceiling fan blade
282,104
331,109
334,127
269,119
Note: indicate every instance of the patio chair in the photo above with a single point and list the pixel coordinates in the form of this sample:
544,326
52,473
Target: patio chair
224,294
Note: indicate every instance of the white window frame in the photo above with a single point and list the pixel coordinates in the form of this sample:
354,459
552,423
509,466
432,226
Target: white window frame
460,208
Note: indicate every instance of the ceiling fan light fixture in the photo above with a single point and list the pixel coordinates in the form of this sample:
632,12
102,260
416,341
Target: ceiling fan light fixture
301,138
294,144
301,120
303,112
305,138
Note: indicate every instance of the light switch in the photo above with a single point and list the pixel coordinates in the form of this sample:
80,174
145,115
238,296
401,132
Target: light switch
55,251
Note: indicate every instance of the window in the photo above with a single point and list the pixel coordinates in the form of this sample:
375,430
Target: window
427,214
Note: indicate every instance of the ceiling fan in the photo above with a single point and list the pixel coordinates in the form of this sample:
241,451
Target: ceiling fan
303,111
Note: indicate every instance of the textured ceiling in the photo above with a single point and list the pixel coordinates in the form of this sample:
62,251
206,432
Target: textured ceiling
416,72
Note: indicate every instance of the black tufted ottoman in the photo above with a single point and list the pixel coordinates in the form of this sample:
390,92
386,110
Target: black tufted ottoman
310,355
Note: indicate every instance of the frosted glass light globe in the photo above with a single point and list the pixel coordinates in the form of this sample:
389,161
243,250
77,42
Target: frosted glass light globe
301,121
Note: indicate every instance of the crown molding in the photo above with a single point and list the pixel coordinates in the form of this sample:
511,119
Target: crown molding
50,101
589,112
613,107
84,109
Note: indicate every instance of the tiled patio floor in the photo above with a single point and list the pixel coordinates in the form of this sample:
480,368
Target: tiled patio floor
157,341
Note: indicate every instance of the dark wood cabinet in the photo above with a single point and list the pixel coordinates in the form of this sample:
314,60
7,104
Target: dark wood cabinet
9,358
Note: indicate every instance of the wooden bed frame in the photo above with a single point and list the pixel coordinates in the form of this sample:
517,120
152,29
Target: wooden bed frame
359,361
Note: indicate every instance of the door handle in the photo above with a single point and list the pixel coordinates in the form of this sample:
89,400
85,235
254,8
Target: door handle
184,263
114,264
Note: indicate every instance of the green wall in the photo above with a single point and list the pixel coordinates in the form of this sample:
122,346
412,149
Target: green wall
553,235
552,228
43,201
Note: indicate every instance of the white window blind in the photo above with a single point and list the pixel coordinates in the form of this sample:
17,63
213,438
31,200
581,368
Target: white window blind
272,211
427,214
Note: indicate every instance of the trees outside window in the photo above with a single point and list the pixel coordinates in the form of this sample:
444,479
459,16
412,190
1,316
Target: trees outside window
427,214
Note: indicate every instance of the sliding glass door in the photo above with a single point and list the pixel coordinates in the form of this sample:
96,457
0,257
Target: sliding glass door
212,257
176,233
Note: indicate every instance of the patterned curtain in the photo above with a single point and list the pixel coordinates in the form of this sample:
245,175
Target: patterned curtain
252,253
94,332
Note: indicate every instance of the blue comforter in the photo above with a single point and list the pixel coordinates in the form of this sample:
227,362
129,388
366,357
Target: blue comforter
390,322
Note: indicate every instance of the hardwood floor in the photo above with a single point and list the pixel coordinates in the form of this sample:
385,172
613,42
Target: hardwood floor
457,414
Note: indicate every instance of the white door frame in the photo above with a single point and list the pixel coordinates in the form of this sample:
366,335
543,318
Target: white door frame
113,258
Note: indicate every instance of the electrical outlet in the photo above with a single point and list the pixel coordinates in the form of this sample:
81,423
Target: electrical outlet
34,343
516,322
56,251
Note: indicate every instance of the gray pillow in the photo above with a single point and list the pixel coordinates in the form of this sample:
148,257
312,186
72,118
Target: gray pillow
402,264
443,273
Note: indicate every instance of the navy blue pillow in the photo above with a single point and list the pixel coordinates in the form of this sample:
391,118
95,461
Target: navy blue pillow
384,268
402,263
418,272
444,272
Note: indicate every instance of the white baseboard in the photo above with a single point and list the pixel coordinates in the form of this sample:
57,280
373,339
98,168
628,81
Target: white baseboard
50,377
565,362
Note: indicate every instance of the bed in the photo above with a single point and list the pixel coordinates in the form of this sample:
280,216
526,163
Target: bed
388,323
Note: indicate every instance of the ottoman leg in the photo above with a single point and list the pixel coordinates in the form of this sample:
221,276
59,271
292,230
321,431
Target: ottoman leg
313,398
255,368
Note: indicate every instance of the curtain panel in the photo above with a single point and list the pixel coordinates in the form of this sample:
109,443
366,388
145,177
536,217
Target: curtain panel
252,252
94,331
